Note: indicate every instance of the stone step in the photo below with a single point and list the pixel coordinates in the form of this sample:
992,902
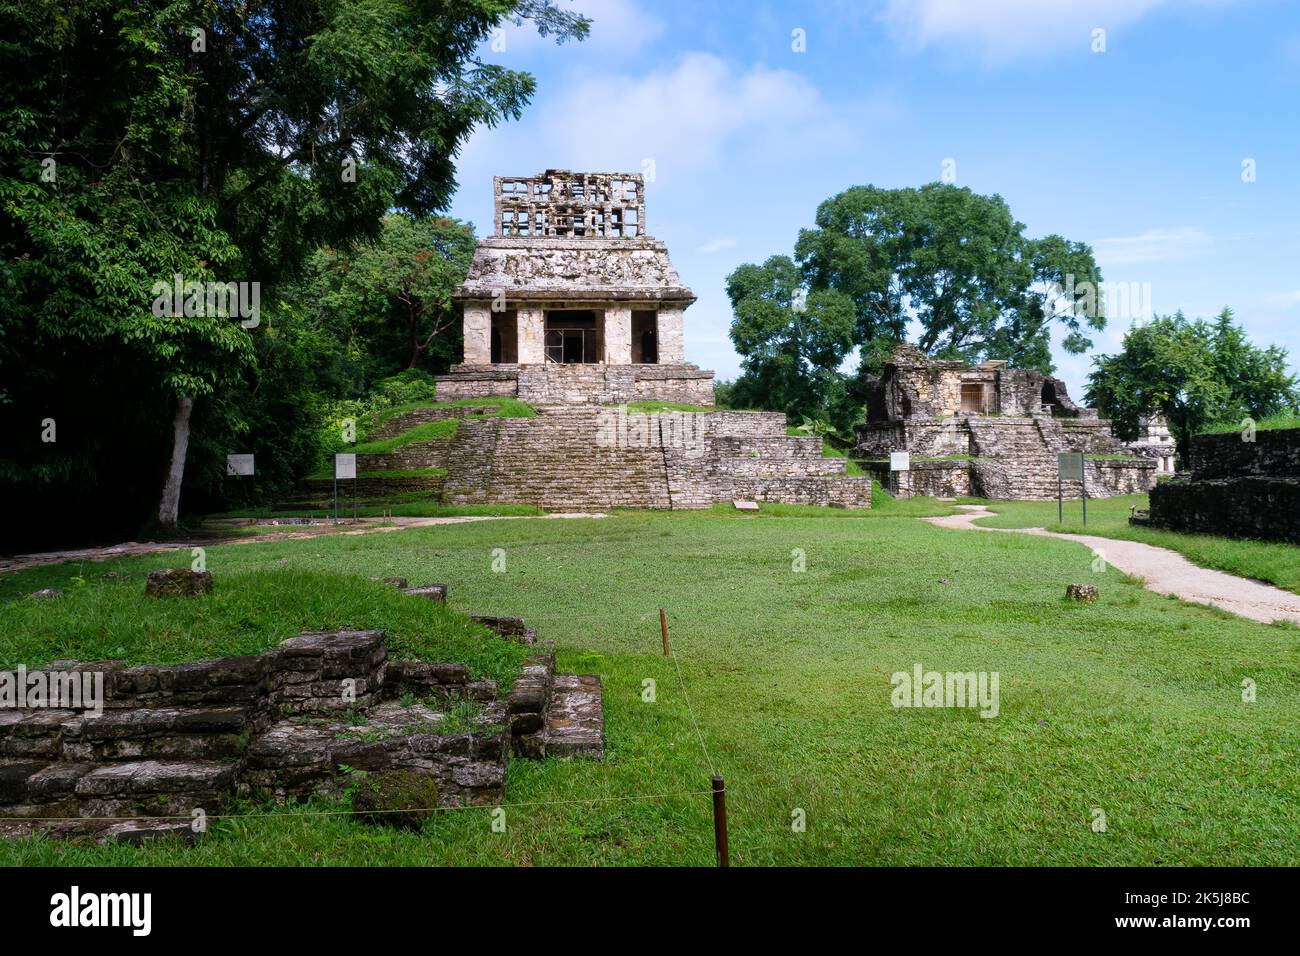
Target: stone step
575,719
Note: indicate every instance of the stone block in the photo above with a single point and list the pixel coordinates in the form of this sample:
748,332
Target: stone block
178,582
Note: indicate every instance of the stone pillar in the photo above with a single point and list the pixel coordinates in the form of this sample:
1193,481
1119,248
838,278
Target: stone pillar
532,335
672,348
618,335
478,333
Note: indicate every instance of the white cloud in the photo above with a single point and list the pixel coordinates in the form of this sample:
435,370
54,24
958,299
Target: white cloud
1001,30
682,118
1154,245
717,245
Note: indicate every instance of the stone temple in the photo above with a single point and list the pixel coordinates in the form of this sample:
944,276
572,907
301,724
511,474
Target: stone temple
571,301
990,431
572,307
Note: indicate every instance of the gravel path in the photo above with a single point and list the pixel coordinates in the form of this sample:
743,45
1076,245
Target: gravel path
363,526
1163,571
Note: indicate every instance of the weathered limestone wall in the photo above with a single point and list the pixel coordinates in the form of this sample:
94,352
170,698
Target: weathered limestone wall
1252,506
1274,453
1008,457
1236,488
553,383
586,457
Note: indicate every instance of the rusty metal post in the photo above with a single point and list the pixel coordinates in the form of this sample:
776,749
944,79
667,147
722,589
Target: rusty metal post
663,627
720,821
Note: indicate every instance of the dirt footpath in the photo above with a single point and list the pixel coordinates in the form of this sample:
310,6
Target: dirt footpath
363,526
1164,571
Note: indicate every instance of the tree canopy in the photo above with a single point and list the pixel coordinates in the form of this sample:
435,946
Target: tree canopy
220,142
941,263
1194,372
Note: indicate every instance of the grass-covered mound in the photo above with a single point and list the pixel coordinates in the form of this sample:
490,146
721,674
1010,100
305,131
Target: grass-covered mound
1271,423
255,604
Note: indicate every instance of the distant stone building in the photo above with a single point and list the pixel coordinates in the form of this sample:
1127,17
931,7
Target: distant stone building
572,301
988,431
1156,441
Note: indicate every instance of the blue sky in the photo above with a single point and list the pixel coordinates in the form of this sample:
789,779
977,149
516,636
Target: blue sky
1137,150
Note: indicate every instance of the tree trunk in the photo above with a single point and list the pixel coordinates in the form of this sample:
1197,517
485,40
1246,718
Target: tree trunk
169,506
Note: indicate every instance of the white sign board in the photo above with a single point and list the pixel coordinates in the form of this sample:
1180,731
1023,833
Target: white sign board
345,466
239,464
1071,465
900,461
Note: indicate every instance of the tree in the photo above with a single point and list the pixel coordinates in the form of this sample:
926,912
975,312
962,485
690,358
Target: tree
1192,372
958,264
405,278
219,141
948,263
792,341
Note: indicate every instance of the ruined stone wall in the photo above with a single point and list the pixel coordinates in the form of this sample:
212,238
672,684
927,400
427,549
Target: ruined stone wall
1236,488
1009,458
584,458
1251,506
1274,453
182,737
557,384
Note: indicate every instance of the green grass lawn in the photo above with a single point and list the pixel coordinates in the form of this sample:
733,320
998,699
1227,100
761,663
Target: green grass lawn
1270,423
1270,561
1132,705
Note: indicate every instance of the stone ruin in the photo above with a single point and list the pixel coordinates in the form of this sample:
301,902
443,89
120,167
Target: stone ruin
179,738
1244,485
572,307
571,300
989,431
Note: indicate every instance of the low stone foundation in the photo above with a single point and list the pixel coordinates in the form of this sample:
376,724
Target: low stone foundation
580,384
1238,488
175,739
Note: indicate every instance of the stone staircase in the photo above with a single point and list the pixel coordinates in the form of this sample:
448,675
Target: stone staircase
1014,458
182,738
556,461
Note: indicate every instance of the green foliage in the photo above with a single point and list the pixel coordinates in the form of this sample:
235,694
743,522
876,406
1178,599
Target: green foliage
1195,373
954,262
391,297
791,342
133,149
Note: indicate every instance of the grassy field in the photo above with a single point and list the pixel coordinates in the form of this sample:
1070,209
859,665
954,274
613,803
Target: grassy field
1269,561
1132,705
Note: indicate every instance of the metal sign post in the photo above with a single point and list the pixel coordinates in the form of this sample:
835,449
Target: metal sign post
345,466
1069,467
900,462
241,465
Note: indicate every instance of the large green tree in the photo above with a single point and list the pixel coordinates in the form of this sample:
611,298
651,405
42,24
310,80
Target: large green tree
947,266
792,342
218,140
1194,372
